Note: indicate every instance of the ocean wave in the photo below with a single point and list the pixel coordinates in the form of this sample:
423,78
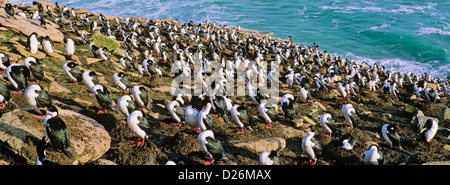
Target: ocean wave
431,30
403,66
375,28
407,9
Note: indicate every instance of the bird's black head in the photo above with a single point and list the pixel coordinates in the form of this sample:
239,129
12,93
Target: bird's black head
72,64
273,153
142,88
120,74
52,108
8,6
392,128
92,73
428,124
241,108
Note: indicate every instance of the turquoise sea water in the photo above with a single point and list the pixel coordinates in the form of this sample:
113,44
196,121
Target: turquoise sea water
408,35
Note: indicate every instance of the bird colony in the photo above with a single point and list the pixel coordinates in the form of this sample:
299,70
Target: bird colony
205,87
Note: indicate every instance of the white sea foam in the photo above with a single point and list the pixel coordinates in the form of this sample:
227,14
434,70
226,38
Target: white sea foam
374,28
404,65
407,9
431,30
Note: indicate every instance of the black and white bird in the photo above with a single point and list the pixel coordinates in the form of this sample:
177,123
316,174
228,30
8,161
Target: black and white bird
347,141
5,96
269,158
38,97
390,134
4,62
58,132
328,123
126,105
141,97
9,10
212,147
103,98
304,95
268,113
90,78
138,123
311,147
42,156
241,118
94,49
429,130
18,75
205,120
122,81
373,155
351,116
36,71
32,43
289,107
75,74
69,46
220,106
126,63
47,45
177,112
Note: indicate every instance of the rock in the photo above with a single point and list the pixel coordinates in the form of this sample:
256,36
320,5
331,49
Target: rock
22,51
2,162
447,147
104,162
57,87
419,121
437,163
260,145
28,26
57,55
444,114
20,131
92,60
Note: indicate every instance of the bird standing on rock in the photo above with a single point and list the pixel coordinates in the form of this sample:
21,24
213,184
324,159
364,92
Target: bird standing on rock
32,43
34,65
38,97
9,10
47,45
18,75
58,132
70,46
